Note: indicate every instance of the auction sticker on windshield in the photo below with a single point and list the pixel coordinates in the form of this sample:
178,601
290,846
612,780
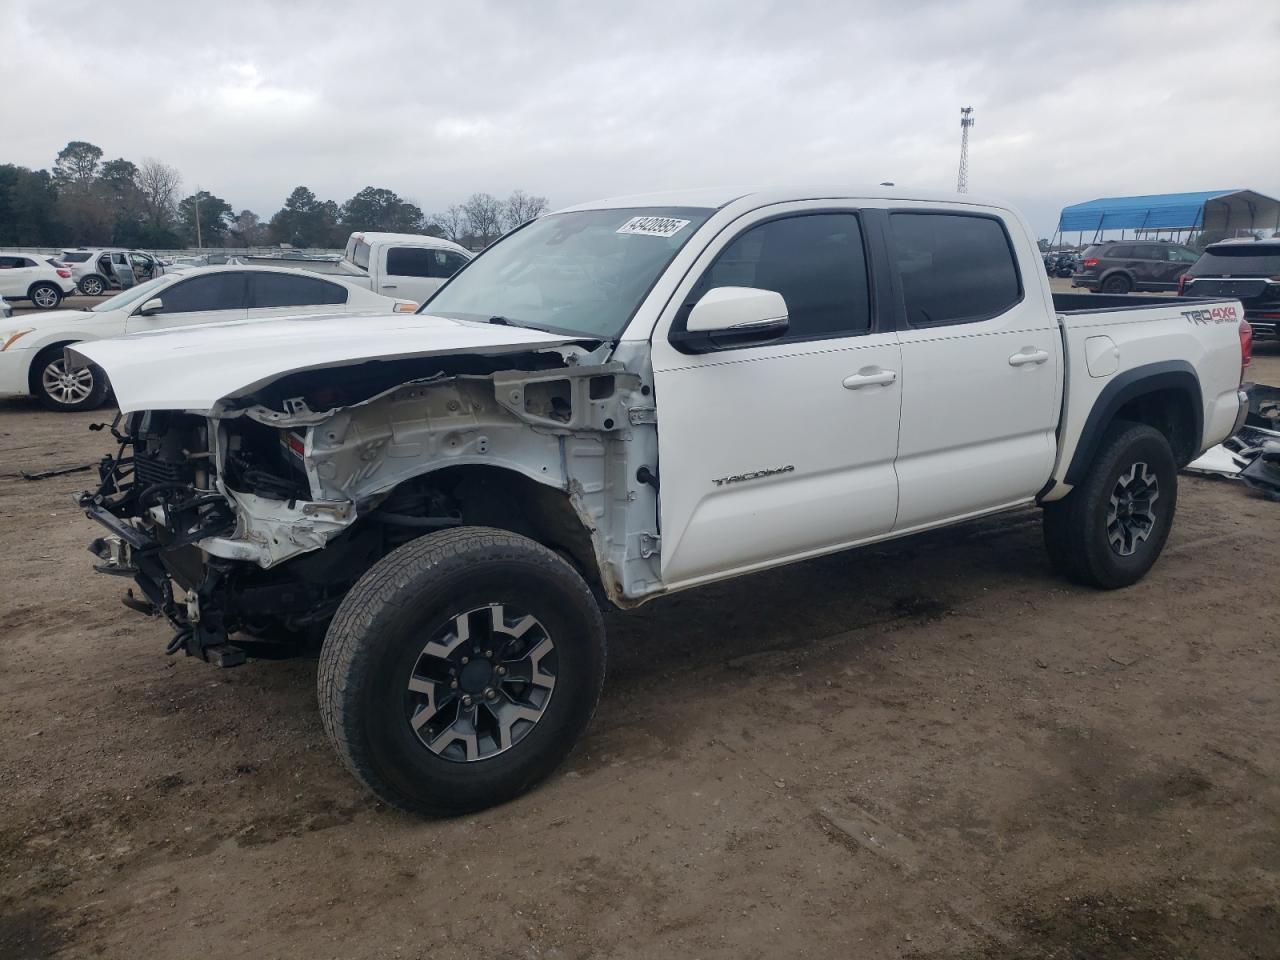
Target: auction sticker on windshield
654,226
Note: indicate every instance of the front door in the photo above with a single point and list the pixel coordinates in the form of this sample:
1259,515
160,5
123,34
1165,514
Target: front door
782,450
206,298
981,367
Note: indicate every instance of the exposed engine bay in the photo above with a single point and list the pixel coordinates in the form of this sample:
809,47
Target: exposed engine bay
256,517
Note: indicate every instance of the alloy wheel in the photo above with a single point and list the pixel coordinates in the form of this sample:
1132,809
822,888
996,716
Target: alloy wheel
45,297
481,683
65,385
1131,513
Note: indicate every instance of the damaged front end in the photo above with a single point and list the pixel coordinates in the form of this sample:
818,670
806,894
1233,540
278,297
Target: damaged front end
257,516
184,515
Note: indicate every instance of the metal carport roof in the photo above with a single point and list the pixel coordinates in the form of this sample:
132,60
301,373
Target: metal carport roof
1227,210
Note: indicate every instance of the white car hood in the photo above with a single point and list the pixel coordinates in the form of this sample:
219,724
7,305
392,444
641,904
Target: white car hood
194,368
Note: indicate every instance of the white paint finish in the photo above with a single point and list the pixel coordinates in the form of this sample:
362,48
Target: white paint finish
724,308
1144,336
766,408
1102,356
194,368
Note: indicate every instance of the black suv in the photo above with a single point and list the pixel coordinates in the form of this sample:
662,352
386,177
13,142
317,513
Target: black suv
1120,266
1244,270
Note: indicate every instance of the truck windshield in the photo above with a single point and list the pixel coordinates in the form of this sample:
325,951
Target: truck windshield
584,272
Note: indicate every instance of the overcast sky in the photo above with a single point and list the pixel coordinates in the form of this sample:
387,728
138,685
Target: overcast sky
572,100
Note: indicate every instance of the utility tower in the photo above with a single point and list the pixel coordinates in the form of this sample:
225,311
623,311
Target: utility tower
966,121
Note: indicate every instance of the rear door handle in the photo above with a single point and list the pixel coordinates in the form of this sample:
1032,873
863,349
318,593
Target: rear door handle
1028,356
388,286
870,377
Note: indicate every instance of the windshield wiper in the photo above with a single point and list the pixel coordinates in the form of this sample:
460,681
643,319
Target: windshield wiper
506,322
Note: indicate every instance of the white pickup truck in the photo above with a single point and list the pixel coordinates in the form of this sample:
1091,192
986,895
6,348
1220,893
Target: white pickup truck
618,401
406,265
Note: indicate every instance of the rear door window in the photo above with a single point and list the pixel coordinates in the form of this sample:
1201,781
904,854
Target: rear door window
287,290
955,268
213,291
422,262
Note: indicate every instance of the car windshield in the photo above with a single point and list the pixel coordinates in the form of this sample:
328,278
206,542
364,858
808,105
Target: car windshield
132,295
578,273
1239,260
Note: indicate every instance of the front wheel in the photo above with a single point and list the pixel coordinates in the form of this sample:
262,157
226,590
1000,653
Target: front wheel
1109,531
460,670
93,285
60,387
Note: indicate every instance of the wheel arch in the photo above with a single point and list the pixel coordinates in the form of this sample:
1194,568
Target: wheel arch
32,371
1165,395
1118,272
44,283
507,498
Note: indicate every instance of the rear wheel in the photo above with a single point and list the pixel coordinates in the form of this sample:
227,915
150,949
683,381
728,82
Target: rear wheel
1117,283
1109,531
460,670
46,296
59,387
93,285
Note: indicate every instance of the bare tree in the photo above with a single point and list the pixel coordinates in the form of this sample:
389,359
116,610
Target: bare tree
484,217
521,208
160,184
452,223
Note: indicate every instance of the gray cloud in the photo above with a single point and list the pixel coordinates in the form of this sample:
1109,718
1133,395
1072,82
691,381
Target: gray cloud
578,100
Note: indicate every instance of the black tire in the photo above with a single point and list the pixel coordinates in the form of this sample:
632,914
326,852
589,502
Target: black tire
1078,529
1117,283
45,296
90,383
93,285
376,642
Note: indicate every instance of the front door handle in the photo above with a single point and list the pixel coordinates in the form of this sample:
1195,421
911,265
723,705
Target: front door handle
1028,356
388,286
870,377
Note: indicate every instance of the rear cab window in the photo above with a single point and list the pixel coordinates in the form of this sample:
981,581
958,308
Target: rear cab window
954,267
358,252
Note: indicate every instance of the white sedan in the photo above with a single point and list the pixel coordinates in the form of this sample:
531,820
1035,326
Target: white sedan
31,346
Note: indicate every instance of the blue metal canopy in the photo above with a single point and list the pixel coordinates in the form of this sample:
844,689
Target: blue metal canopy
1159,211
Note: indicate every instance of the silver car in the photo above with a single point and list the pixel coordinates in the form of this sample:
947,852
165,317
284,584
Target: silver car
98,270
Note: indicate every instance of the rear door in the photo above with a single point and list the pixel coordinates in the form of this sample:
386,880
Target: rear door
981,359
16,275
415,273
274,294
776,451
206,298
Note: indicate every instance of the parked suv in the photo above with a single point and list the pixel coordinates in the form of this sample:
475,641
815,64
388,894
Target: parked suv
97,271
1245,270
1122,266
25,276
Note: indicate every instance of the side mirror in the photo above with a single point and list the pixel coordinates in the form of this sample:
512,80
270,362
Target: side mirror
732,317
152,306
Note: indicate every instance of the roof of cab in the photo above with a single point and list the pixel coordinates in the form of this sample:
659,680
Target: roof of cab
418,239
715,198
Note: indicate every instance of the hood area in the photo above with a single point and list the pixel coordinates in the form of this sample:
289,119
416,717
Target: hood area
194,369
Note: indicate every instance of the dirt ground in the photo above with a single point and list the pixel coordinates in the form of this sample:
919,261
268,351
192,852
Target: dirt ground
931,749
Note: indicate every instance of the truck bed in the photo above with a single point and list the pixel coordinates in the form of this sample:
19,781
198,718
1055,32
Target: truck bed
1111,341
